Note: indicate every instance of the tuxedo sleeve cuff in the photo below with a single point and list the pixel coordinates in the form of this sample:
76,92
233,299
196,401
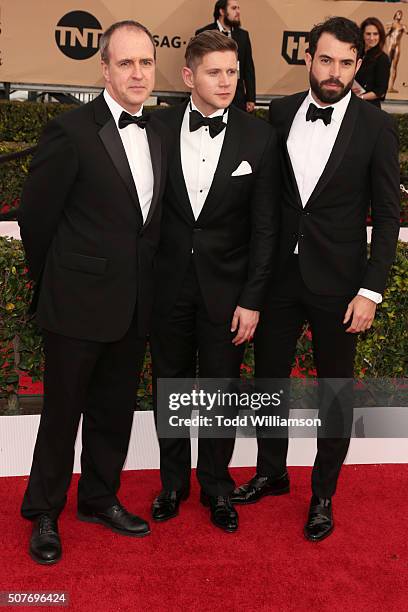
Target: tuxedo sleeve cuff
371,295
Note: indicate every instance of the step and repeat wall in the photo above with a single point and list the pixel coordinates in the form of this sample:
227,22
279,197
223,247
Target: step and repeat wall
56,43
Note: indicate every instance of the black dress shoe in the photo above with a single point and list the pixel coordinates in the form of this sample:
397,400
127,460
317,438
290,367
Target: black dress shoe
116,518
258,487
166,504
320,520
223,513
45,544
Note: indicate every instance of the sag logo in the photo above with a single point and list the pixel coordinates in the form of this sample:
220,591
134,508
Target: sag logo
294,45
77,35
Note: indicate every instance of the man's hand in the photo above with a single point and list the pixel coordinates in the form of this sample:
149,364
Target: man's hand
363,311
245,321
250,107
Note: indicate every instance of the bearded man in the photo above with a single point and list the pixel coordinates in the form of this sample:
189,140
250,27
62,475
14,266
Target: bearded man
227,20
339,157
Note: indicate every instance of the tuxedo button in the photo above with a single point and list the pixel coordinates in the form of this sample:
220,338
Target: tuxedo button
197,229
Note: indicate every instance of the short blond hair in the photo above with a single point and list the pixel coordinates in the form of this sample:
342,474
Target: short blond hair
207,42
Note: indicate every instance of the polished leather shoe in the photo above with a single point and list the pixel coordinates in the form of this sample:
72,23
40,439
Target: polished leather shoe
116,518
166,504
258,487
45,544
320,520
223,513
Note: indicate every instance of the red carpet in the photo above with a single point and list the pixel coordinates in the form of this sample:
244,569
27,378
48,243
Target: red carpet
187,564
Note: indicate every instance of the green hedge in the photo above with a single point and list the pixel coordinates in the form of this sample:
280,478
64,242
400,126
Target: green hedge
12,175
381,351
24,121
404,168
402,122
20,343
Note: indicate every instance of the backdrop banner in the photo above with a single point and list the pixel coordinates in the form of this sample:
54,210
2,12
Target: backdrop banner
56,43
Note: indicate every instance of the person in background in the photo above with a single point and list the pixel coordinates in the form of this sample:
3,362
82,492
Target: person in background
374,72
227,19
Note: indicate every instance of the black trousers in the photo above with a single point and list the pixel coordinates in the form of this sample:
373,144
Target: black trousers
99,381
290,304
177,340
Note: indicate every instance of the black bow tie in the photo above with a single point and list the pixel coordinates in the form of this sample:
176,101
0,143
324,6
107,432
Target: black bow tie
314,113
126,119
214,124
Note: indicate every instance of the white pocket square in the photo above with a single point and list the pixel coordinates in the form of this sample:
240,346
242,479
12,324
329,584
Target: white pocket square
243,168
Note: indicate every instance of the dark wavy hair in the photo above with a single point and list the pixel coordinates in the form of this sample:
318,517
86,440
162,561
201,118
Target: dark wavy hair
220,4
341,28
373,21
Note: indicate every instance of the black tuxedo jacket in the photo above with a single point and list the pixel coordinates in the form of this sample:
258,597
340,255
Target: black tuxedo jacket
246,89
87,248
234,237
362,170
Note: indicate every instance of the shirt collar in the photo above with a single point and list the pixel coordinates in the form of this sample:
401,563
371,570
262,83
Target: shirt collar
116,109
218,113
339,108
222,29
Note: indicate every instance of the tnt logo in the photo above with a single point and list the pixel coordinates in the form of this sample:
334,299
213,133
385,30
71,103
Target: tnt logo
77,35
294,45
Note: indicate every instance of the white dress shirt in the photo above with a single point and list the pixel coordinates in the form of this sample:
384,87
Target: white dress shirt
224,30
199,158
310,144
137,150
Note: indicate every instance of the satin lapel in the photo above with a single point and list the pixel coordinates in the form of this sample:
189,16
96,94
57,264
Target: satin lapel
113,144
339,149
227,163
292,110
156,157
176,175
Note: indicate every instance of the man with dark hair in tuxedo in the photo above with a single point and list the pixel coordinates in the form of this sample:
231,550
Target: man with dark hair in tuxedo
227,19
339,157
90,220
218,237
